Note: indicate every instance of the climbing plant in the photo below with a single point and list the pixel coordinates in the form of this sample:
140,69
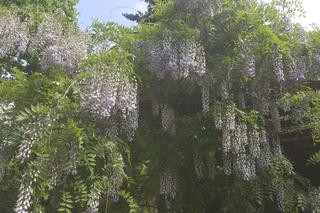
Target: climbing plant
184,112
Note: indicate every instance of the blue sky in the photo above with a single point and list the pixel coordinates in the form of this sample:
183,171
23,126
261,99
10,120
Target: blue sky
111,10
107,10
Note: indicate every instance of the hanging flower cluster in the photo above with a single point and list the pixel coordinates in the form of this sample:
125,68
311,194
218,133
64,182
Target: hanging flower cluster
73,157
94,198
205,98
223,91
168,119
275,118
13,35
279,196
178,60
103,46
59,47
110,91
117,176
264,157
244,147
54,176
168,184
277,65
244,163
24,201
298,69
250,66
33,132
254,142
116,181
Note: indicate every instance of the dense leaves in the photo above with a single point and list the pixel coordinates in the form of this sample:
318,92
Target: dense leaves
185,112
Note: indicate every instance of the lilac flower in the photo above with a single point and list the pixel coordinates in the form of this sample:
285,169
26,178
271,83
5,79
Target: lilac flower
13,35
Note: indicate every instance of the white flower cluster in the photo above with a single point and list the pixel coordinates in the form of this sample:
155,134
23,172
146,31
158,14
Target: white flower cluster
227,124
24,200
218,123
264,157
279,197
277,64
168,184
205,98
223,90
168,119
103,46
58,47
244,148
250,66
33,132
198,165
244,163
112,127
117,176
227,164
275,118
131,124
110,91
177,59
54,176
13,35
254,142
93,202
73,158
298,69
116,181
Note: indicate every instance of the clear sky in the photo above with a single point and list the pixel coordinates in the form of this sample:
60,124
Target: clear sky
111,10
108,10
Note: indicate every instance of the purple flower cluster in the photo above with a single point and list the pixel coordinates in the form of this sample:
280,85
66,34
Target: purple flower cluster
277,64
244,147
177,59
13,35
33,132
110,91
168,184
57,46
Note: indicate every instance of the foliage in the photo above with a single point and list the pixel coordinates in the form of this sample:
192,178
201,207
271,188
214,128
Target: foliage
185,112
